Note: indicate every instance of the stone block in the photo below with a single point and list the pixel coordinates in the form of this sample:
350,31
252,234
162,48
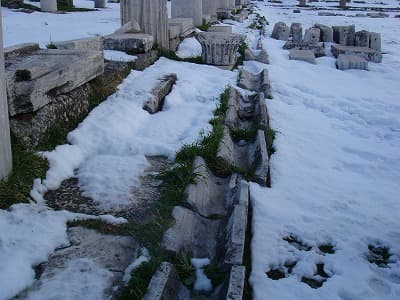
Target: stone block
378,15
158,94
260,159
312,35
207,194
237,226
165,284
280,31
129,27
303,55
318,50
5,143
362,38
128,42
375,41
367,53
326,33
226,148
192,233
92,43
220,28
257,55
188,9
346,62
20,49
296,31
344,35
256,82
219,48
236,283
34,80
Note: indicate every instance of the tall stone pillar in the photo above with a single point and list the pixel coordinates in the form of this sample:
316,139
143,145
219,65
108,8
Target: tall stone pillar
210,9
188,9
343,4
48,5
5,143
151,15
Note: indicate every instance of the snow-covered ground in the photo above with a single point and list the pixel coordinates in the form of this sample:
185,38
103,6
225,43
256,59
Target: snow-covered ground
335,174
336,170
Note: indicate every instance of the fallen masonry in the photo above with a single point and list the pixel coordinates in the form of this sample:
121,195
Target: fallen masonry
220,48
346,62
158,94
34,78
367,53
256,82
303,55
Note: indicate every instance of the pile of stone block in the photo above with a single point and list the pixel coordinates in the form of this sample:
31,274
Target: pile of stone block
345,41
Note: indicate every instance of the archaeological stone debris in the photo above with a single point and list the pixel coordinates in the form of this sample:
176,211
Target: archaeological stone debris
5,144
46,85
219,47
343,40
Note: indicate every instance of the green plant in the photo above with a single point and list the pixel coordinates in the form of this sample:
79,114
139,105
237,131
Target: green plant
27,165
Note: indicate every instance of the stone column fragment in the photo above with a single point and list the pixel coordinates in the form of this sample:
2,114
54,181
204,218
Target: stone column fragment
220,48
188,9
5,143
151,15
210,9
100,3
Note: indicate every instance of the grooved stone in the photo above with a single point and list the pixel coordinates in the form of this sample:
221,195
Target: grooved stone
260,159
236,283
192,233
158,94
260,55
257,82
237,226
367,53
165,285
226,148
207,194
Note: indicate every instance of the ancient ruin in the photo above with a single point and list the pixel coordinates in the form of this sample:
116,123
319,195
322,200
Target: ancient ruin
5,144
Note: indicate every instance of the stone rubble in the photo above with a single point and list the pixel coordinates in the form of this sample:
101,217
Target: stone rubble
346,62
158,94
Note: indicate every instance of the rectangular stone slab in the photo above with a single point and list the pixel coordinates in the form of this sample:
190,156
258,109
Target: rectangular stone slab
33,80
367,53
128,42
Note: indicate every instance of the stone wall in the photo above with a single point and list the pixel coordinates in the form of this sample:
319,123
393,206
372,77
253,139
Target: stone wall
5,145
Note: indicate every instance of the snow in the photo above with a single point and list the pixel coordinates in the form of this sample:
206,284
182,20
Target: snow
190,47
336,170
85,280
144,257
29,234
118,56
202,283
44,28
108,148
